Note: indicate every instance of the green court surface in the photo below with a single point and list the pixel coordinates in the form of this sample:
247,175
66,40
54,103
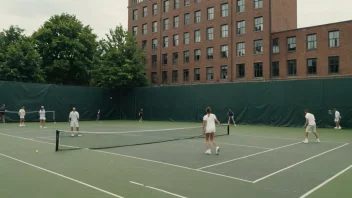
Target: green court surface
255,161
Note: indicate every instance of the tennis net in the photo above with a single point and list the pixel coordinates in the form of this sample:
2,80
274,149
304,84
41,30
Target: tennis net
67,140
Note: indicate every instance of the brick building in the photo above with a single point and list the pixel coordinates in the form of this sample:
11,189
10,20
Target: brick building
208,41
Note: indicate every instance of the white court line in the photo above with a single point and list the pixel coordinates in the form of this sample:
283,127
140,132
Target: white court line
274,173
247,156
47,138
60,175
127,156
157,189
239,145
324,183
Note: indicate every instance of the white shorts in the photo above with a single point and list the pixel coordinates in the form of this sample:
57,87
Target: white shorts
42,118
311,129
337,119
210,130
22,117
230,117
74,124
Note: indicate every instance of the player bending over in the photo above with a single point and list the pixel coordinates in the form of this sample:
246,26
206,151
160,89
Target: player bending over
22,114
2,113
337,119
42,117
231,117
209,129
73,119
310,126
141,115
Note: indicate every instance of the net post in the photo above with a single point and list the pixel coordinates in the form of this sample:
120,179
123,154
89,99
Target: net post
228,129
57,140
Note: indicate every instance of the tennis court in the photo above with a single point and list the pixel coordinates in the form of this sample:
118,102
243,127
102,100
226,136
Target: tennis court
255,161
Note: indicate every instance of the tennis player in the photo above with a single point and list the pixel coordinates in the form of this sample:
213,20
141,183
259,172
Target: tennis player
337,119
73,119
42,117
2,113
22,114
230,114
98,115
141,115
310,126
209,129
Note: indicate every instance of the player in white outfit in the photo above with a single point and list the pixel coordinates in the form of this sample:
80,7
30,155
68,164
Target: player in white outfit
74,119
42,117
209,129
310,126
337,119
22,114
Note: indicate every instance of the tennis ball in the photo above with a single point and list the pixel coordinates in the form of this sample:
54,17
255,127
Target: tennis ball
110,98
36,151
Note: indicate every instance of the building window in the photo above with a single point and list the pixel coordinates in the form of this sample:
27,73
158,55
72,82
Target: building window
154,60
241,6
164,76
175,76
144,45
240,70
155,44
197,36
258,24
154,77
165,41
258,47
311,42
197,16
225,10
258,4
334,39
224,31
135,15
241,27
185,75
175,58
210,53
165,57
135,30
196,74
155,27
165,24
210,34
276,46
186,55
241,49
311,66
223,72
334,63
258,70
197,1
145,11
166,5
291,68
187,3
197,54
275,72
176,21
291,44
155,9
210,13
186,38
210,73
224,51
176,4
144,29
175,40
187,19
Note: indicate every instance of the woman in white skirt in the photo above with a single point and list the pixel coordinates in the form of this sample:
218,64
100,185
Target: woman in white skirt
209,129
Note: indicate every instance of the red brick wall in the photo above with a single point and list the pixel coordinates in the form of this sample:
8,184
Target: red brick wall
284,15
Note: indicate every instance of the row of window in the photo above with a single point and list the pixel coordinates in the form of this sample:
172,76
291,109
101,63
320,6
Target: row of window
224,8
258,70
240,26
311,42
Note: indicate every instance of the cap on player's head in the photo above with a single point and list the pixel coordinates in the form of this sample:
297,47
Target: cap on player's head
208,110
306,111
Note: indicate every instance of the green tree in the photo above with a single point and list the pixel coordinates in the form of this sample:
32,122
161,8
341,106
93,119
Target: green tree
19,61
68,50
123,63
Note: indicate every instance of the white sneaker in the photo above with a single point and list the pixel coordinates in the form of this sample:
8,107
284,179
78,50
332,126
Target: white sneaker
72,135
235,125
79,135
208,152
318,140
41,127
340,127
20,125
305,141
44,127
335,127
217,150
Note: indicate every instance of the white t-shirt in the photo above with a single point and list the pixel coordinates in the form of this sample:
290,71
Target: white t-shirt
311,119
42,113
74,116
337,115
210,121
22,112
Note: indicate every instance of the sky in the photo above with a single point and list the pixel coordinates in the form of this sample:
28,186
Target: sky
103,15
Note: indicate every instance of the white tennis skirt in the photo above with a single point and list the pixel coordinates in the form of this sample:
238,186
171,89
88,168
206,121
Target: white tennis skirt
210,130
